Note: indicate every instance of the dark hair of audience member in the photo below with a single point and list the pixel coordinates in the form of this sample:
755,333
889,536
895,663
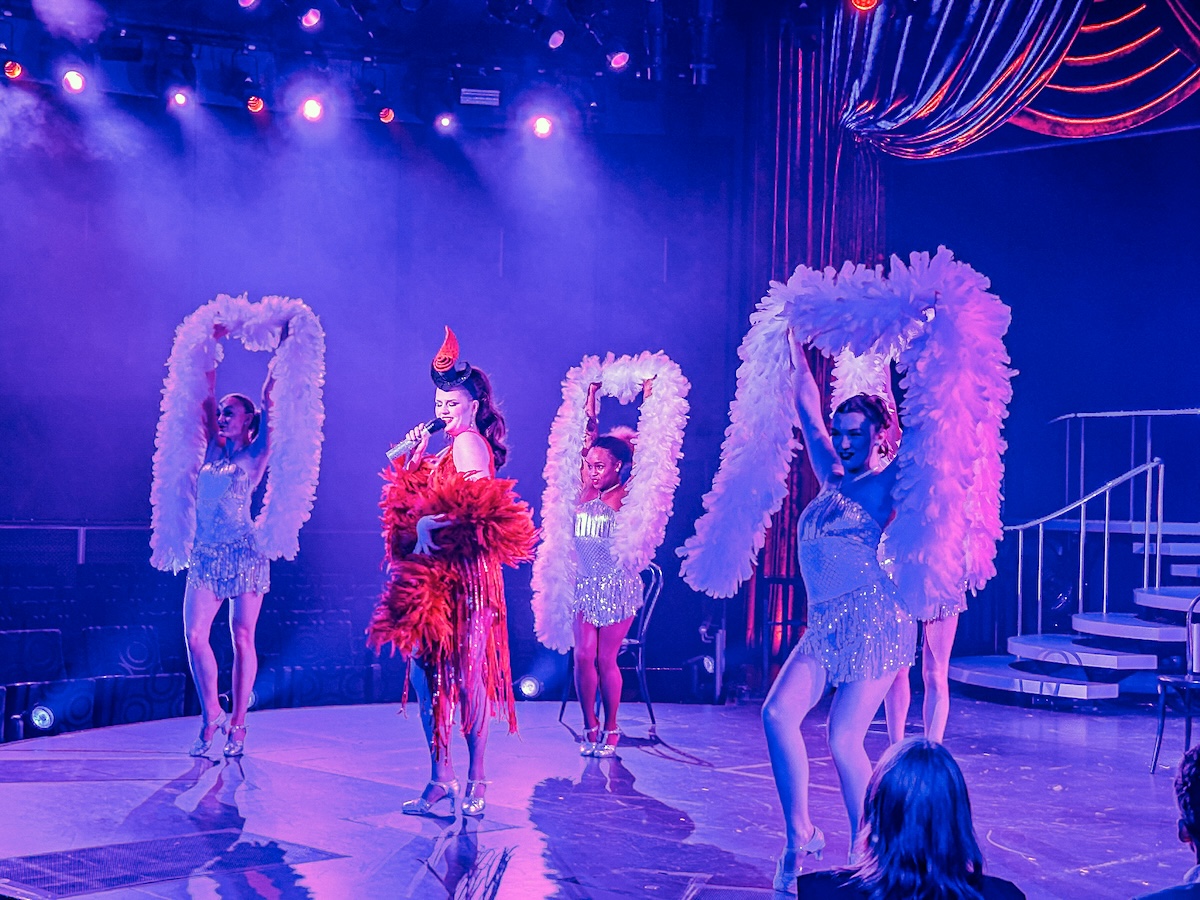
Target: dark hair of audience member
917,840
1187,794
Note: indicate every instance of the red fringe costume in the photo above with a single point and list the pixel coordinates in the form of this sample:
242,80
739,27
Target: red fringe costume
432,601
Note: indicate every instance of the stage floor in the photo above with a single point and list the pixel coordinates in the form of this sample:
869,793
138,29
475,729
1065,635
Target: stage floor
1064,804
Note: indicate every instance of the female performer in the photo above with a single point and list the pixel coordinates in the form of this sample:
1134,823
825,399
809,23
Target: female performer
202,515
607,595
450,526
858,635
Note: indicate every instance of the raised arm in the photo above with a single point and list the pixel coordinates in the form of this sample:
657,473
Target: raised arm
812,421
262,440
209,409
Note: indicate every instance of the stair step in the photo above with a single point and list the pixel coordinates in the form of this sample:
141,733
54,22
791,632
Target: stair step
1127,625
999,673
1073,650
1185,570
1168,596
1172,548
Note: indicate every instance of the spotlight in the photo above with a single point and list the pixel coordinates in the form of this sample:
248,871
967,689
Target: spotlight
529,687
255,104
311,20
42,718
444,122
556,39
864,5
13,69
73,81
387,115
618,59
179,97
543,126
247,4
312,109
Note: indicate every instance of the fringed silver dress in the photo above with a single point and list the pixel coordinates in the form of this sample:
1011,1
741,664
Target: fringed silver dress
857,628
604,592
224,557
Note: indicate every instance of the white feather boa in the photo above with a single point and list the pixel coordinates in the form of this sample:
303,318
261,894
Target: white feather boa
936,317
295,422
642,520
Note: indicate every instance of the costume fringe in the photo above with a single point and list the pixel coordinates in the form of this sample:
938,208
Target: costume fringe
642,519
936,318
295,423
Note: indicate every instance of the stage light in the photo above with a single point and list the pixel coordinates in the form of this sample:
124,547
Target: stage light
543,126
529,687
247,4
617,59
864,5
42,718
255,104
312,109
311,19
557,38
387,115
179,98
13,69
73,81
444,122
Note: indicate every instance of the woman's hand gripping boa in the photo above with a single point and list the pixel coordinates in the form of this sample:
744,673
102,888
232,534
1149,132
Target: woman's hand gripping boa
935,317
295,421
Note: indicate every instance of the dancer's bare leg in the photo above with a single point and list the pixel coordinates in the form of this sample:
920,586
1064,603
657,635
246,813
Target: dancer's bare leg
896,703
243,621
608,646
200,607
797,689
587,643
474,695
440,768
854,706
935,663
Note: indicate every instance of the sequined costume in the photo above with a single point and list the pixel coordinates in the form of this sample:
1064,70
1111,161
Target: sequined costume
224,557
446,610
604,592
857,628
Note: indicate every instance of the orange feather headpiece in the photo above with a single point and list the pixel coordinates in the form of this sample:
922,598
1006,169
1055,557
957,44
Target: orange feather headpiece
447,371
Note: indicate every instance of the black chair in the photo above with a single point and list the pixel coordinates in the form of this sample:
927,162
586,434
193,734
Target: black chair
634,644
1184,685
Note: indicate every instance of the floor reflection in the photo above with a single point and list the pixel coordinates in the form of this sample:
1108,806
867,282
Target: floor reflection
604,834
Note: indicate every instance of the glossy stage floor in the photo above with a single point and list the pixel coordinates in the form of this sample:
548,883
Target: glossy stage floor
1064,805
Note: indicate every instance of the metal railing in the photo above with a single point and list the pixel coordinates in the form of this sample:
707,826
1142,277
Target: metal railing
1153,522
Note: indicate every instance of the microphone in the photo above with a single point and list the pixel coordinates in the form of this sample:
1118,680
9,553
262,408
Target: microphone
433,426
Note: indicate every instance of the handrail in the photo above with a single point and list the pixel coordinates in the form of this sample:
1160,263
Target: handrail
1125,413
1120,479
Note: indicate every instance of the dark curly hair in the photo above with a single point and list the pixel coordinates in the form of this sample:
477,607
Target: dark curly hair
1187,792
488,419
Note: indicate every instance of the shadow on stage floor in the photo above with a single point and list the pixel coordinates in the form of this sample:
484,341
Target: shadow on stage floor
1064,804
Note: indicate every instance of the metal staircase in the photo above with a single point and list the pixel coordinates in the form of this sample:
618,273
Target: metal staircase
1108,648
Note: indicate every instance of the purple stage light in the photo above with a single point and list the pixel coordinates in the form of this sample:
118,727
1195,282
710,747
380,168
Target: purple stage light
543,126
179,98
445,122
618,60
557,37
312,109
247,4
73,81
311,19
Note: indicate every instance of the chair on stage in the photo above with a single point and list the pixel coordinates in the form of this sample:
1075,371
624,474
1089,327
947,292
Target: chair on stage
633,646
1183,684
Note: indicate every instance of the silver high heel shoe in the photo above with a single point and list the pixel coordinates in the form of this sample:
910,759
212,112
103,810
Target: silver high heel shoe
236,745
587,747
605,750
422,806
785,875
474,803
201,746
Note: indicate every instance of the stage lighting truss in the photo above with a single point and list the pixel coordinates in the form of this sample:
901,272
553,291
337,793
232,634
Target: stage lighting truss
12,67
242,80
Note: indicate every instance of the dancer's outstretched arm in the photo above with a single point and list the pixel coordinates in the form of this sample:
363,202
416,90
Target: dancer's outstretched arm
812,421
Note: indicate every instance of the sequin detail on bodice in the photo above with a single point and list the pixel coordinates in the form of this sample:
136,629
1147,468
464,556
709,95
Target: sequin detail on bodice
223,492
838,546
604,592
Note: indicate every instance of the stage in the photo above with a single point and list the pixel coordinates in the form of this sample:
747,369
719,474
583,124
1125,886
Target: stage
1064,804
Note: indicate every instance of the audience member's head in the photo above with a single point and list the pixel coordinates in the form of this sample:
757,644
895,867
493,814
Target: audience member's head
1187,794
917,838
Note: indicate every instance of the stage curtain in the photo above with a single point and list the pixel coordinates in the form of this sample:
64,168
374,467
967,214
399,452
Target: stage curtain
925,84
1132,61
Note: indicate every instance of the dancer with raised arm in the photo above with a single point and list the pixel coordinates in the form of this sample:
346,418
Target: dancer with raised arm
205,478
603,521
450,526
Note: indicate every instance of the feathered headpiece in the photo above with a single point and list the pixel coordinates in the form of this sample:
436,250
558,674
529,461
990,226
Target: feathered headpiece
447,371
868,374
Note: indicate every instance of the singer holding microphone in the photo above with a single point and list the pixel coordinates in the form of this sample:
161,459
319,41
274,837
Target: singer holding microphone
450,526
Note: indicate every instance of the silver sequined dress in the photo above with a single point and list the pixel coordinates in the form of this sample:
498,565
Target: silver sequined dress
604,592
224,557
857,628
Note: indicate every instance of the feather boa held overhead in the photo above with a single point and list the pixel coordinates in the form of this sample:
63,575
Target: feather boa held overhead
641,522
295,422
937,319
